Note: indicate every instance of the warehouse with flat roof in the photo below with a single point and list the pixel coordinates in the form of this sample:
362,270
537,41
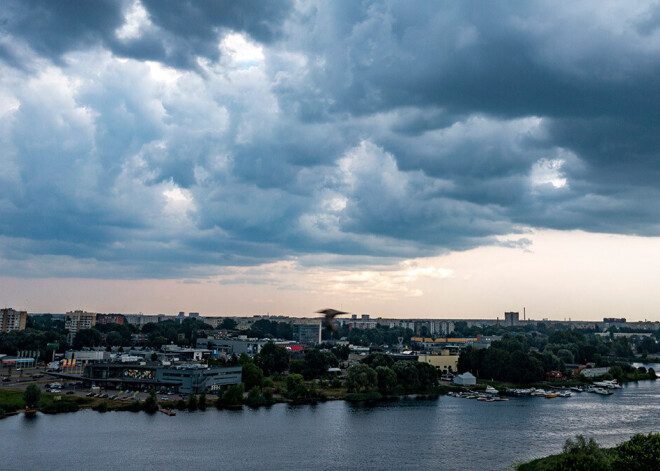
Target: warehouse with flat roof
185,378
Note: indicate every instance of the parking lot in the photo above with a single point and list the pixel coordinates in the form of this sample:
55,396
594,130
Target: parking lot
21,378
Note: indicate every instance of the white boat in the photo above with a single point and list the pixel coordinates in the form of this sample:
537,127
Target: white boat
608,384
539,393
491,390
602,391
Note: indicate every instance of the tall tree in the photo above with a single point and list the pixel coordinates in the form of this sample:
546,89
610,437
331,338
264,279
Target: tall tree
272,359
32,395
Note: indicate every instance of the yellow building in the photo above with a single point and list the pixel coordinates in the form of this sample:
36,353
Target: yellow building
443,362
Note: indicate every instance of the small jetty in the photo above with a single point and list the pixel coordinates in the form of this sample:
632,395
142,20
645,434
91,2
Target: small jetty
169,412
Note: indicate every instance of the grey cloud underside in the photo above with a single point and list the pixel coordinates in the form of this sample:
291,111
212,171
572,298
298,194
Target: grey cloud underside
369,131
179,31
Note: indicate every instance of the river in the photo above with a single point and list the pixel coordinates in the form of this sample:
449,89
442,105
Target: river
446,434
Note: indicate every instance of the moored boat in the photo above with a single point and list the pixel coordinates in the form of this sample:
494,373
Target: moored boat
491,390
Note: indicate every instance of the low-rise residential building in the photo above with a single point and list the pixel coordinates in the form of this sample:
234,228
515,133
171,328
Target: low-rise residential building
110,319
593,372
355,322
213,321
139,320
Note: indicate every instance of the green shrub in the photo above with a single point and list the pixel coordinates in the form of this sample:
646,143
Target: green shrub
32,395
233,396
128,406
150,404
181,404
101,407
192,403
640,453
9,407
366,396
268,395
60,406
582,454
255,397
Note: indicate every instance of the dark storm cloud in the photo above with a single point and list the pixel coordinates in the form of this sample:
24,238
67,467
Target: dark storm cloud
140,135
178,31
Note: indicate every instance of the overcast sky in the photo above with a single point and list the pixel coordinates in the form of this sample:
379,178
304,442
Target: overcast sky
426,159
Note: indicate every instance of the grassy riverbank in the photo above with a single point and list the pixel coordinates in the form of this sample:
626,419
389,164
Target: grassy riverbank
11,402
300,392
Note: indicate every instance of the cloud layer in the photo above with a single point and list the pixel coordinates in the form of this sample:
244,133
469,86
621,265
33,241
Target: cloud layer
167,139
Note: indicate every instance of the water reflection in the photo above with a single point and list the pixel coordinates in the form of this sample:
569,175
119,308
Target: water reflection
445,433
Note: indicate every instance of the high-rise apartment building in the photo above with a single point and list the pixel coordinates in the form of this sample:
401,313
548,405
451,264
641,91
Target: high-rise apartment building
511,318
77,320
11,319
307,332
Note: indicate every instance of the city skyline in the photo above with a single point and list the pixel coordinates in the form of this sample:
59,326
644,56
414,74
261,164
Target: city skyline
442,161
490,268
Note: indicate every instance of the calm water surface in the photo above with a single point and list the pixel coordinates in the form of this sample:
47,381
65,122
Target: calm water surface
445,434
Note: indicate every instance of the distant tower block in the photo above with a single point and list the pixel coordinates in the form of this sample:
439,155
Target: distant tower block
511,318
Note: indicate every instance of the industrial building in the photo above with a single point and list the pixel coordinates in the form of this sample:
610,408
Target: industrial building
231,346
184,379
443,362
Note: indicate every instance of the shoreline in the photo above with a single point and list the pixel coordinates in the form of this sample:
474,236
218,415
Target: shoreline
109,405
